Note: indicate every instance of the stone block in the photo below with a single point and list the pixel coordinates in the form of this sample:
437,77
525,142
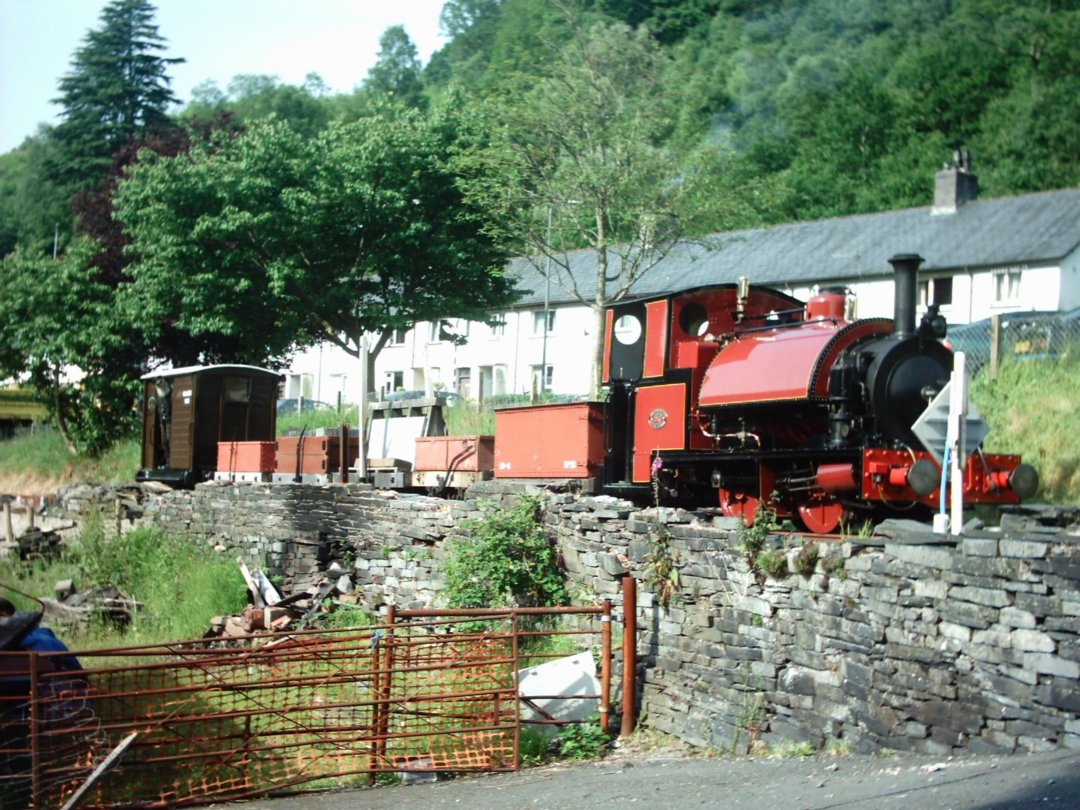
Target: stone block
978,547
1015,617
920,555
1052,665
1022,549
991,597
1031,641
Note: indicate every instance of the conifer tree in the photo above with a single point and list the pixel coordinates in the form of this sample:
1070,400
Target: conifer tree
116,90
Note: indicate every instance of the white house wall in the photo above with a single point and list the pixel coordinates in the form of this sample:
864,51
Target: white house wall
502,359
1070,282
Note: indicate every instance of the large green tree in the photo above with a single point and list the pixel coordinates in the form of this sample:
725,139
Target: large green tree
61,331
271,240
578,160
117,90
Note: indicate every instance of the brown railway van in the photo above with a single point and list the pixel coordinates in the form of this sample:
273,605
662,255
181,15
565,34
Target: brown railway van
187,411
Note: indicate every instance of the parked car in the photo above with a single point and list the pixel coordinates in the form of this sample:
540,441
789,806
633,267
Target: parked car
285,407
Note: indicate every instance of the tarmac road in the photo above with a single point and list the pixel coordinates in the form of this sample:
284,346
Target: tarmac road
1045,780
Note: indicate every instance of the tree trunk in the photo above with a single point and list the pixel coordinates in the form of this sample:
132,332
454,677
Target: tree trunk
596,371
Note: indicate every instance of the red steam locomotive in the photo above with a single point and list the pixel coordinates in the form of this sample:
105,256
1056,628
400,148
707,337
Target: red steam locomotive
748,393
728,394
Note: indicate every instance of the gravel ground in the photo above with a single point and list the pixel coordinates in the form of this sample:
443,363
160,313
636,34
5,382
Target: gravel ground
663,779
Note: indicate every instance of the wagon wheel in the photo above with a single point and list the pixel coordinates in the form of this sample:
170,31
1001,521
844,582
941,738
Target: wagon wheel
821,513
734,503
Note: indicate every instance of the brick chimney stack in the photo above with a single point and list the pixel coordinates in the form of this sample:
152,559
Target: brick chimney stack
955,185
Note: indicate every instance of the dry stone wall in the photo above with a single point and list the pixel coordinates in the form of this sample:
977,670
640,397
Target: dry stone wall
900,641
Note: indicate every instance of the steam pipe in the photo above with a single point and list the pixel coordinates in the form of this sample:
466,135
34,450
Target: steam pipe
906,269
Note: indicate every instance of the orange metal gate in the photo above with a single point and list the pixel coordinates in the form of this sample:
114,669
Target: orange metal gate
428,691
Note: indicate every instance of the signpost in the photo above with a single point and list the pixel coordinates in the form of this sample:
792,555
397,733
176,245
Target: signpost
951,429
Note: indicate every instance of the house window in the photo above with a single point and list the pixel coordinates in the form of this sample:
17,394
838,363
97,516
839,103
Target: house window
301,386
542,377
393,381
498,329
936,291
1007,285
435,332
397,338
462,379
538,321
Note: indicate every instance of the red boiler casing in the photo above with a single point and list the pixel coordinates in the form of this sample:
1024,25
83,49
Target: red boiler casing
550,441
782,365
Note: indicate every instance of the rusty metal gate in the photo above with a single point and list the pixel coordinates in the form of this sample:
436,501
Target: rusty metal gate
428,691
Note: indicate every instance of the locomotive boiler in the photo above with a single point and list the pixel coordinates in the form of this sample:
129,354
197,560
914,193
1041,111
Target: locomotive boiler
748,396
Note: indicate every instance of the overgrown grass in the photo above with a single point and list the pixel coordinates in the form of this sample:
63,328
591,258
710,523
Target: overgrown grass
179,584
43,454
1033,408
313,420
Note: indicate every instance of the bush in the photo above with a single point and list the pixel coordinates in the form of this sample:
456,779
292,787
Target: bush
504,560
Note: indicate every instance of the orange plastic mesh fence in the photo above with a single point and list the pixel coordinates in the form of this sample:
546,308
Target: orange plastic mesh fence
217,722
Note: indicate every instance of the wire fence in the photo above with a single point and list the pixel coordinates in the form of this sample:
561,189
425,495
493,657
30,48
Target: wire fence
214,721
1017,336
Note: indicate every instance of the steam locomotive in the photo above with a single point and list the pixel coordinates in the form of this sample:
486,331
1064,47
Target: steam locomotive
748,393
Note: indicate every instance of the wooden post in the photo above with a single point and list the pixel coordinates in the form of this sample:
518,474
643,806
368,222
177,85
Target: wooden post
995,343
629,654
343,454
9,532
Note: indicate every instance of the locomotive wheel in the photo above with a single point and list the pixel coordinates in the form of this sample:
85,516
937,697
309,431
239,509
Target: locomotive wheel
821,514
739,504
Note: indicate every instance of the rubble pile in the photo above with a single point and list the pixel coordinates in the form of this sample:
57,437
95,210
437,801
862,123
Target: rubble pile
269,612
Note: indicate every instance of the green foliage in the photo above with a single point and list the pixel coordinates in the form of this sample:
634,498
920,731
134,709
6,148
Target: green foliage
533,746
179,585
346,616
807,558
751,539
771,562
241,237
661,573
789,750
117,90
396,72
504,560
585,740
58,314
468,419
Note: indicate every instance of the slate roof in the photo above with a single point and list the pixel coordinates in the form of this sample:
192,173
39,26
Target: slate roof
1033,229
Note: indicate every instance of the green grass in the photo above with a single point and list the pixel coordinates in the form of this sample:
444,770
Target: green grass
1033,408
43,454
179,584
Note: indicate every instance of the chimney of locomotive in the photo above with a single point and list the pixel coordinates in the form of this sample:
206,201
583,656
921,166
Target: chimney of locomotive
906,268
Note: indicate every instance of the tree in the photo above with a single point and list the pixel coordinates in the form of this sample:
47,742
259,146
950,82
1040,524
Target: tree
117,90
578,160
396,72
269,240
57,318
